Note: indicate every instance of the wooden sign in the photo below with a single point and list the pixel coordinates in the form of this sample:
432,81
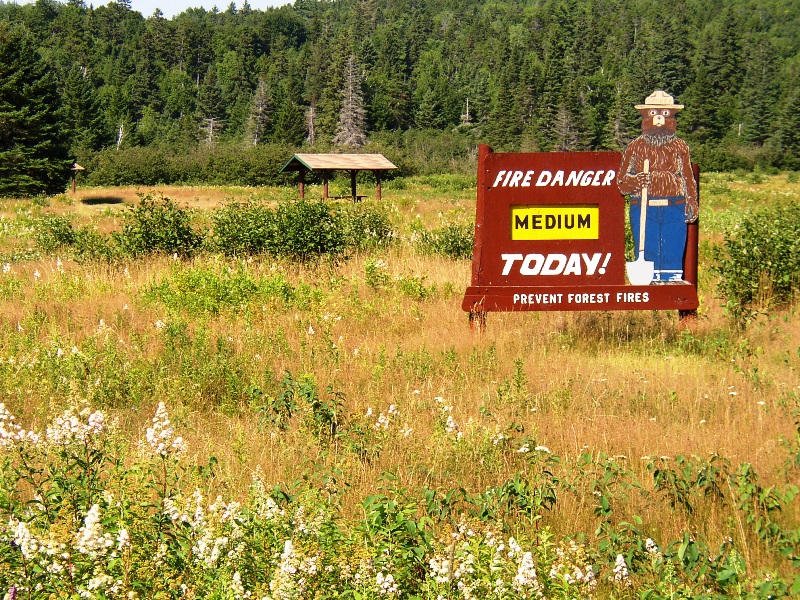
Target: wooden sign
550,235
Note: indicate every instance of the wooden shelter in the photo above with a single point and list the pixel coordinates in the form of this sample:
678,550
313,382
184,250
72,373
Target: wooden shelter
326,163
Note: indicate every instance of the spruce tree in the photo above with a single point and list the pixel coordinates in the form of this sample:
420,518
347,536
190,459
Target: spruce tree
789,132
760,93
33,145
82,112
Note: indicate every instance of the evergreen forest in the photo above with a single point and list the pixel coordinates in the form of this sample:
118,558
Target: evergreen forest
420,80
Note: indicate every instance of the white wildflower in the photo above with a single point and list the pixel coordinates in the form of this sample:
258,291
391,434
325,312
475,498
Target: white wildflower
526,578
90,539
620,572
385,584
123,540
161,438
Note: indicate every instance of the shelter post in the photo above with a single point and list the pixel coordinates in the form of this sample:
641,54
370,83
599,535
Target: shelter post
325,177
377,185
302,179
353,174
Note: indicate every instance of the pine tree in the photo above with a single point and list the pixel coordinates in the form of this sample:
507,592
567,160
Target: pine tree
33,148
759,94
290,123
789,133
82,112
350,130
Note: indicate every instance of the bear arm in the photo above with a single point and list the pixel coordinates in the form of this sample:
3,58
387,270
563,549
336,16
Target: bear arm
665,184
626,182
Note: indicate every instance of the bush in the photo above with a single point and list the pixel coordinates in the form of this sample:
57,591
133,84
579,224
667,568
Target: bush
226,164
157,226
307,228
243,229
453,240
53,233
758,262
365,225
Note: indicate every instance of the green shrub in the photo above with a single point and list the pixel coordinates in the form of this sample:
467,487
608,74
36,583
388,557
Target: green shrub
157,226
53,233
365,225
453,240
449,182
131,166
308,228
758,263
224,164
243,229
91,246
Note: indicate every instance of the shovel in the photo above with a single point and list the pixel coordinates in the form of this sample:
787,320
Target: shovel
641,271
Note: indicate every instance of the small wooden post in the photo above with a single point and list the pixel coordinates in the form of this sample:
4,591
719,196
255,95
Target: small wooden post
302,178
75,168
378,186
477,318
325,176
353,174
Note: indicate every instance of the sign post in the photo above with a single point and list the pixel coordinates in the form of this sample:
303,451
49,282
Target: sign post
550,235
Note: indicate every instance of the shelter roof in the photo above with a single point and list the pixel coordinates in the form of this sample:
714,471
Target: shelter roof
323,162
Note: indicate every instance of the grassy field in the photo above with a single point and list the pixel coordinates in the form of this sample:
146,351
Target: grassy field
357,386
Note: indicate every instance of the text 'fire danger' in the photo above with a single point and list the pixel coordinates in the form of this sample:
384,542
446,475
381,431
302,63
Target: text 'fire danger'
549,178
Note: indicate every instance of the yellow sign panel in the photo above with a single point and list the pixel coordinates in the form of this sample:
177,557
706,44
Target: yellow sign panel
555,222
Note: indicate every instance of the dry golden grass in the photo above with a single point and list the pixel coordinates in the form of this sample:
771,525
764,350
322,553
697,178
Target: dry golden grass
630,385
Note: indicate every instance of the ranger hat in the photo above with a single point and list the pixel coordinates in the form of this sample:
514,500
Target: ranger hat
659,99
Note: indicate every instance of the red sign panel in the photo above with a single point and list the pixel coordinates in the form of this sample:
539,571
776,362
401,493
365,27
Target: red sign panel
550,235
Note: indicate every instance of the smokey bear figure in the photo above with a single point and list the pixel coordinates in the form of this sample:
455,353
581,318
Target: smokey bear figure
671,188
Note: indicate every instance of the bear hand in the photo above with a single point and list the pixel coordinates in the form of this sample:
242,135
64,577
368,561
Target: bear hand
642,180
692,211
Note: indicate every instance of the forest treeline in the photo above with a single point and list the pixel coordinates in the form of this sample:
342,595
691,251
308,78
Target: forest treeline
418,77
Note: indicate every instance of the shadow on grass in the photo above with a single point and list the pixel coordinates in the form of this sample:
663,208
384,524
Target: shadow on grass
102,200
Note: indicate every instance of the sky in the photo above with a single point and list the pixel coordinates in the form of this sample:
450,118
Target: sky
170,8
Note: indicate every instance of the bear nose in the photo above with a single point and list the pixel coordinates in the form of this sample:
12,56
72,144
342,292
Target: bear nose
658,120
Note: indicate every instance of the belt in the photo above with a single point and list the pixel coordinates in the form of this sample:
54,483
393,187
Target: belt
670,201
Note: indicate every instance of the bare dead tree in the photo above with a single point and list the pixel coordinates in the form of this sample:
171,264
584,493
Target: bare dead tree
260,116
353,116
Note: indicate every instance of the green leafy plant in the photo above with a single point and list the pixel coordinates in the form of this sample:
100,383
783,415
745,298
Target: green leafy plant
759,262
452,240
157,225
244,229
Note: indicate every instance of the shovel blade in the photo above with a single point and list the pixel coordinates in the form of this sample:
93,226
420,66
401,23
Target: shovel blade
640,271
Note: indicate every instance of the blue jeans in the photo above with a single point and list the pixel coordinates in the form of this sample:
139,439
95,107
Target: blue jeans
665,238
